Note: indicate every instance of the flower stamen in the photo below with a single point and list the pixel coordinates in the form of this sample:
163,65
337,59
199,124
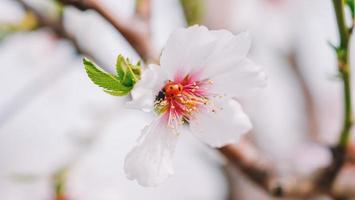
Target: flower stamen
179,99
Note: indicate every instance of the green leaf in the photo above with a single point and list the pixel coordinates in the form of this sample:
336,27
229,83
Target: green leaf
127,73
137,69
120,67
104,79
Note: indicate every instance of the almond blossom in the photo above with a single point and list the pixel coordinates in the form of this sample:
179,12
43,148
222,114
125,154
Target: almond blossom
201,77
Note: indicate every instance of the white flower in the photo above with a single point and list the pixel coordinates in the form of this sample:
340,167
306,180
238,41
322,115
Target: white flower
201,71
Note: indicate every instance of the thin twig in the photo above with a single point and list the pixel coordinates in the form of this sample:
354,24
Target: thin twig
57,27
327,180
339,7
344,69
137,36
339,151
263,175
259,174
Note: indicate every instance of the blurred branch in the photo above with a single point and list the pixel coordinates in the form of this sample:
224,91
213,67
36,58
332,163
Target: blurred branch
344,69
340,198
57,27
263,175
324,181
339,7
340,150
256,172
136,33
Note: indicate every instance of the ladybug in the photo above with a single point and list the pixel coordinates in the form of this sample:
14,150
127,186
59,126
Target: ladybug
173,89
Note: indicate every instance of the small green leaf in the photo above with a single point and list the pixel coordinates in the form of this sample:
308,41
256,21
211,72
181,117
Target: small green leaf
127,73
137,69
120,67
103,79
117,85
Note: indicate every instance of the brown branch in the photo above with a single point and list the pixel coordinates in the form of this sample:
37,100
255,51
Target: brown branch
256,172
134,32
261,172
263,175
325,180
340,150
57,27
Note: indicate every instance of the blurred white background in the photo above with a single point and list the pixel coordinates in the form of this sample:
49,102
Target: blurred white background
51,116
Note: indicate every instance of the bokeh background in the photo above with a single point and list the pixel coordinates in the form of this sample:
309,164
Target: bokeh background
54,120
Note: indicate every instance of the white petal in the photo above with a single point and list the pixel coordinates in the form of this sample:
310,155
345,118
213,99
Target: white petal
150,162
229,51
222,123
145,91
196,49
242,81
187,49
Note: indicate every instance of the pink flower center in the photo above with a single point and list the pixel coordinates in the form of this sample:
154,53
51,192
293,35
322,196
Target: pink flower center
179,99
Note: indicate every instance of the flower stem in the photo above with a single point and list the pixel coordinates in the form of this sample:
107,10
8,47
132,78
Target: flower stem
339,7
344,70
345,133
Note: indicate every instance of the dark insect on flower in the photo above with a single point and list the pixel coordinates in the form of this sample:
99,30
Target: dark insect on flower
160,96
